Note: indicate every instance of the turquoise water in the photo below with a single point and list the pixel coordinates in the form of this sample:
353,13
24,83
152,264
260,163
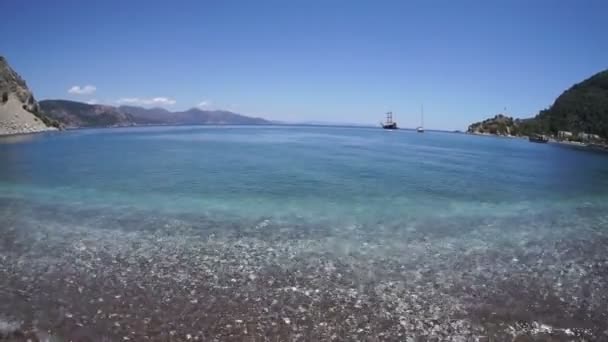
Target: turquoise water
301,234
337,174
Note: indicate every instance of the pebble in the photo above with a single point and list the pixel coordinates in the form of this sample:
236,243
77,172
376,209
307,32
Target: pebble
409,307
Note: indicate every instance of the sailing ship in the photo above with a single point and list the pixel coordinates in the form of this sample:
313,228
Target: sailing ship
420,129
389,124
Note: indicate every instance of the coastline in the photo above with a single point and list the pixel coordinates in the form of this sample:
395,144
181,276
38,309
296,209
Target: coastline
582,146
564,143
25,131
480,134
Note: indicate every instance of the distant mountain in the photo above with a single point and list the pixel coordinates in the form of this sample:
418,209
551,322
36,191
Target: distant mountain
19,111
331,123
583,108
197,116
148,115
77,114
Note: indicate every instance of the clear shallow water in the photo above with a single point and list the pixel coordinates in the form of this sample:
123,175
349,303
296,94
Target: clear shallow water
306,232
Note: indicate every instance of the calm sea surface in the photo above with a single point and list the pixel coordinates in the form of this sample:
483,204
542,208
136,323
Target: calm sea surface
466,226
344,175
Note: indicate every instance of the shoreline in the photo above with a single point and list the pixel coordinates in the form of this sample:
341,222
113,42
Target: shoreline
26,131
577,145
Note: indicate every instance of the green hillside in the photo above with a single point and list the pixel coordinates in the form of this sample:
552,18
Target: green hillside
582,108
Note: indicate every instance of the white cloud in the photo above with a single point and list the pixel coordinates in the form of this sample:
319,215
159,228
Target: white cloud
84,90
204,104
158,101
92,101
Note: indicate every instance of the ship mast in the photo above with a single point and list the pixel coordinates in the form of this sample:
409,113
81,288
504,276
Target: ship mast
389,117
421,115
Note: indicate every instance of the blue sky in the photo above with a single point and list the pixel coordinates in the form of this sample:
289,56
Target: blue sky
344,61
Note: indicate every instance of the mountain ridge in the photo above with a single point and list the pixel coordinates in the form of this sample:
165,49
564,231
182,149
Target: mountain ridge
75,114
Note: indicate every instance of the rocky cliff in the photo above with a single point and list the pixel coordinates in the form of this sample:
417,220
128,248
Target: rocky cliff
19,111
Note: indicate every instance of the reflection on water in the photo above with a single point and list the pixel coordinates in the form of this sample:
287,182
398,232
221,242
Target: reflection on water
18,138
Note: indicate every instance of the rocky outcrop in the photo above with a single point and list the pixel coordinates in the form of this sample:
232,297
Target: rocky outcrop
500,124
19,111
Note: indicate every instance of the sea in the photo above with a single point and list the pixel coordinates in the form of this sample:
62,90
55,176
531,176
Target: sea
300,233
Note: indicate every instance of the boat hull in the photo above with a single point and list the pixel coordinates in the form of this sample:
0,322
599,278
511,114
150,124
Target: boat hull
390,126
538,140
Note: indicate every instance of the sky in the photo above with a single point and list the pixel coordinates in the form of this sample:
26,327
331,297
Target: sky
297,61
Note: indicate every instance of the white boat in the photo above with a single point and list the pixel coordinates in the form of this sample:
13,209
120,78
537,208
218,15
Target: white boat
420,129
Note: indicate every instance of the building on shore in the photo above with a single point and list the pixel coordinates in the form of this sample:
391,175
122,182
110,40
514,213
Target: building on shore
588,137
564,135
